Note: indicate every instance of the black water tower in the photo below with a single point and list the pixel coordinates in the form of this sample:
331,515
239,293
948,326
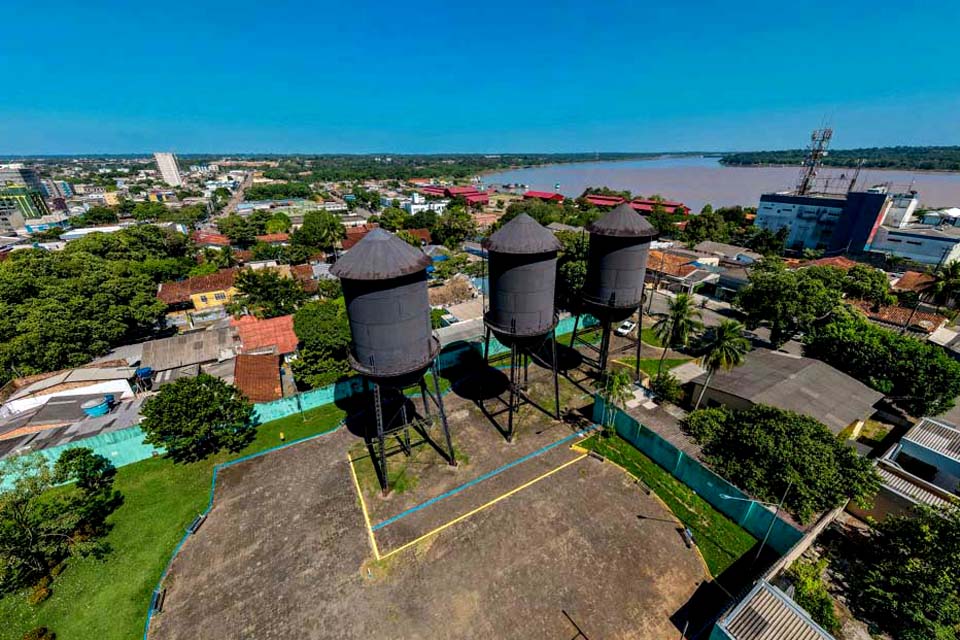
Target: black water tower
617,264
385,288
522,266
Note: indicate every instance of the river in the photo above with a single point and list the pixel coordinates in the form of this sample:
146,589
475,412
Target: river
697,181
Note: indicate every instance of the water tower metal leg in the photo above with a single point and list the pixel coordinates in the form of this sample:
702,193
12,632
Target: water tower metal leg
604,346
556,379
526,370
573,336
486,346
381,444
452,459
639,339
513,389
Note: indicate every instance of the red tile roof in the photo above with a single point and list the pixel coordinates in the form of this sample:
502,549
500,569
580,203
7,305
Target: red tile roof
645,205
840,262
423,235
914,281
460,191
179,292
258,377
260,335
604,201
670,264
477,198
544,195
304,274
273,237
211,238
898,316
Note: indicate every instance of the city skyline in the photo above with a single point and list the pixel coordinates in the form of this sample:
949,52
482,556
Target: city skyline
431,78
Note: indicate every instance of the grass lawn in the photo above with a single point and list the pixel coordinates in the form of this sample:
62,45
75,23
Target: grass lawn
107,599
720,540
649,365
650,338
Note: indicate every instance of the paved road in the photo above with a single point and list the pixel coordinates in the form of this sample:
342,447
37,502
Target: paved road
237,196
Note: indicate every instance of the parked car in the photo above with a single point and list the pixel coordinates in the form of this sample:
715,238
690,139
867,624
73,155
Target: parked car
626,327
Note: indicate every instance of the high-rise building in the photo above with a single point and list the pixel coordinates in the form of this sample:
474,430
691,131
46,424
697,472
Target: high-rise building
17,175
167,163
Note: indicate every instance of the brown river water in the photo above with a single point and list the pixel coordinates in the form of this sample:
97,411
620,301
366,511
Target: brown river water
697,181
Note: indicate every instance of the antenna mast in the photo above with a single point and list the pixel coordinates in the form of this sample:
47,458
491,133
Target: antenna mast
816,152
856,175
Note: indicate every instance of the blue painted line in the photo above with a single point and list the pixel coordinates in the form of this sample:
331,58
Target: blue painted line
475,481
213,486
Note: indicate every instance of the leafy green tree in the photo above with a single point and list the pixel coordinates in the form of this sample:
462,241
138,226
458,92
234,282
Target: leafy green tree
724,348
393,218
455,226
91,471
324,334
706,226
426,219
99,215
667,387
766,242
946,283
277,191
866,283
678,326
765,450
788,301
266,293
320,230
279,222
194,418
906,578
40,527
617,389
920,377
240,230
409,238
571,269
811,593
148,211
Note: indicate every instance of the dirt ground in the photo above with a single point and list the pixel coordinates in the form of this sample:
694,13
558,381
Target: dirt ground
554,541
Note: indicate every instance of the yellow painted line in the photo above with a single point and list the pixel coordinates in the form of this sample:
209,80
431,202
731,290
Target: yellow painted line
363,507
482,507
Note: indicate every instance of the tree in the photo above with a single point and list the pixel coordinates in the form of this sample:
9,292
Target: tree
393,218
324,334
267,294
920,377
99,215
766,242
279,222
39,527
455,226
706,226
946,284
409,238
765,450
788,301
617,388
320,230
239,229
571,269
92,472
148,211
906,577
724,349
194,418
866,283
678,325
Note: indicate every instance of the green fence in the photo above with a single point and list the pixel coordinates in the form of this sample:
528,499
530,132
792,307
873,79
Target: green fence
723,496
126,446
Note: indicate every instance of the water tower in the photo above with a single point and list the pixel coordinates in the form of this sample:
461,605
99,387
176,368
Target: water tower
384,283
616,267
522,266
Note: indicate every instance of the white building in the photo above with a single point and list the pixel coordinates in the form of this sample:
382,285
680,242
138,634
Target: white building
921,243
418,203
167,163
902,208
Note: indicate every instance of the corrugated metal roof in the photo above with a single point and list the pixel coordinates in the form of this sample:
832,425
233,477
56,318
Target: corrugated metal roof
911,489
937,436
622,222
380,256
768,614
523,234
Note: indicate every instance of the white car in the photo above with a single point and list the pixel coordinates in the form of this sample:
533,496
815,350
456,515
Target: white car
625,328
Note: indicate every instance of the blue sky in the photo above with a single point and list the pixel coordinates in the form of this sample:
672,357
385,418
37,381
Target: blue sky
360,76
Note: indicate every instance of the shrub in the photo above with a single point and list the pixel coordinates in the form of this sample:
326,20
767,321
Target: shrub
44,582
40,633
58,569
811,593
667,387
38,594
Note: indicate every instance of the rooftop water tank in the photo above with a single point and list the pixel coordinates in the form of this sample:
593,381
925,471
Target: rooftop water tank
96,407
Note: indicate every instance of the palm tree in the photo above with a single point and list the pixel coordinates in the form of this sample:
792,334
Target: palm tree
946,285
724,349
679,324
617,389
